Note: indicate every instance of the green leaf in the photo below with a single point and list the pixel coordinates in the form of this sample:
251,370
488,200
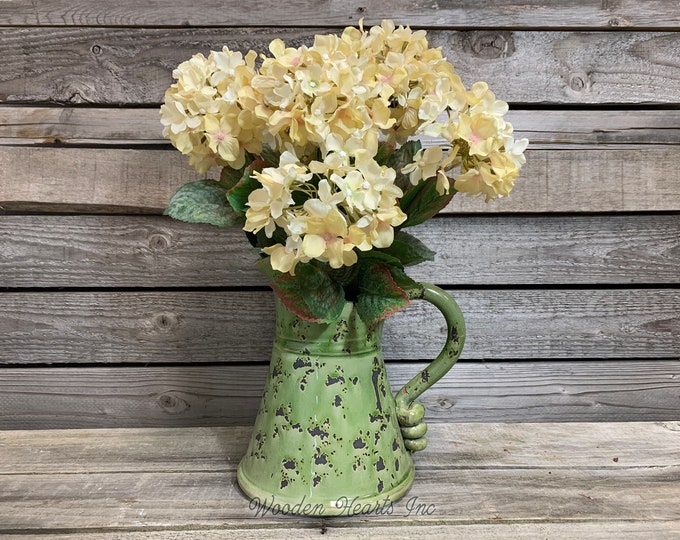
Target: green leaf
409,250
384,154
265,266
238,195
260,239
379,295
230,177
270,156
422,202
345,275
203,201
379,256
311,294
402,157
403,281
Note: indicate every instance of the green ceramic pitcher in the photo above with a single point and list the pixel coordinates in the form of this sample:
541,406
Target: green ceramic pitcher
330,438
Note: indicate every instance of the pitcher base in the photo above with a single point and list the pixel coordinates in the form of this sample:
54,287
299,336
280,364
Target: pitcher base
264,502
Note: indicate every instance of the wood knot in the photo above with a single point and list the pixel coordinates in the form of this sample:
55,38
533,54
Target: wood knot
617,22
672,426
489,45
166,322
172,404
444,404
579,82
159,242
77,97
55,140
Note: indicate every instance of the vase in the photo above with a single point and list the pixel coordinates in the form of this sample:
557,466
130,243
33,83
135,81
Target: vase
330,438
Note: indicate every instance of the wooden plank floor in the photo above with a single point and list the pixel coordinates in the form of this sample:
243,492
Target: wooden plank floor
576,480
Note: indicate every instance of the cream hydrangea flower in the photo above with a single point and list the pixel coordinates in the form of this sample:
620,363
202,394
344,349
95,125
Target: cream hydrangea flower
285,258
267,204
325,239
480,132
340,151
202,110
484,179
424,165
219,135
325,200
376,229
515,149
327,110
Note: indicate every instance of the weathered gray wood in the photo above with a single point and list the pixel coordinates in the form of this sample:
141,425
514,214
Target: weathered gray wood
153,251
194,326
148,499
588,181
551,129
143,181
592,391
600,529
574,67
134,66
124,180
573,249
73,125
475,474
585,128
504,14
122,251
498,445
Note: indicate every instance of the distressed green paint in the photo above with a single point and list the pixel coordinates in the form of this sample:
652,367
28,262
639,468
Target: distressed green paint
329,429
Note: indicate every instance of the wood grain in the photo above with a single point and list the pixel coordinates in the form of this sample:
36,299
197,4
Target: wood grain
217,449
480,474
599,529
143,181
124,180
73,125
193,326
125,66
154,251
225,395
148,499
546,129
572,316
462,14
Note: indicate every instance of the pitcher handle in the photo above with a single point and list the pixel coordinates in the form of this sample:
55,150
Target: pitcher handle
410,413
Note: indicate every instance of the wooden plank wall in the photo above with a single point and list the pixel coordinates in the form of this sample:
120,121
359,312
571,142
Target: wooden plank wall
112,315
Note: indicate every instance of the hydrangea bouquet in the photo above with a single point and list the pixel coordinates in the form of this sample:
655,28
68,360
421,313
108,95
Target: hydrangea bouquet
321,158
